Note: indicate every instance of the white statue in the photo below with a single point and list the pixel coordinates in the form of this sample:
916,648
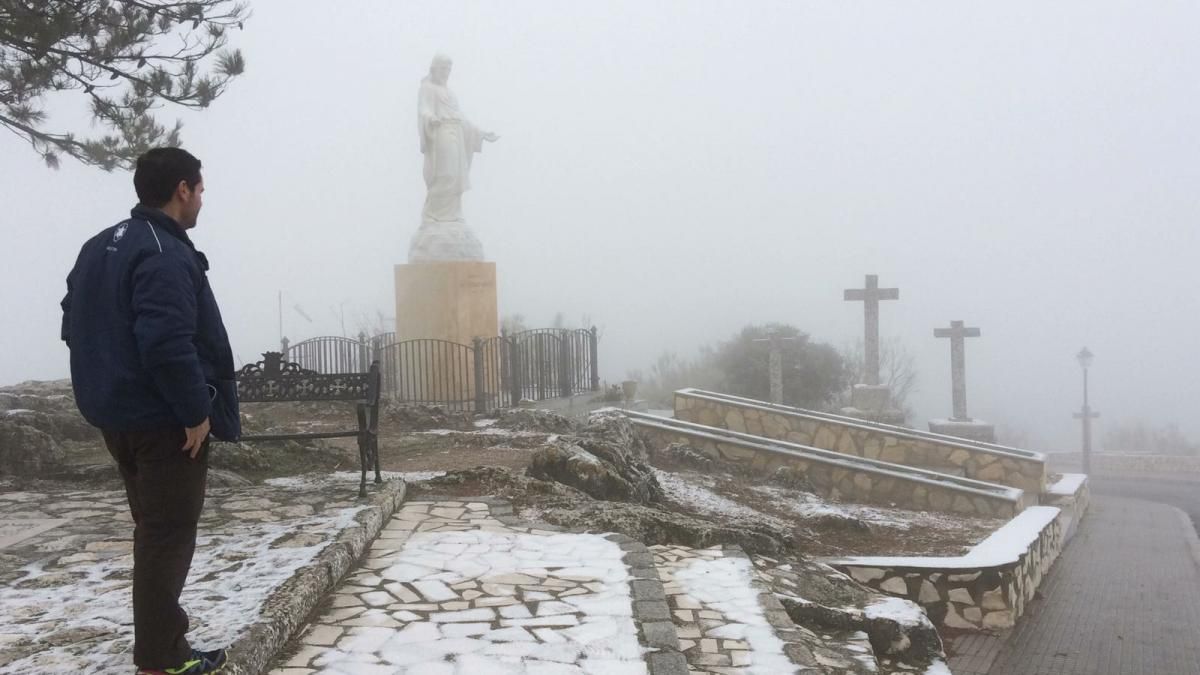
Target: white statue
448,141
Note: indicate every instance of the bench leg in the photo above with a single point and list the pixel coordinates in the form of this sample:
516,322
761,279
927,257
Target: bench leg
375,451
362,464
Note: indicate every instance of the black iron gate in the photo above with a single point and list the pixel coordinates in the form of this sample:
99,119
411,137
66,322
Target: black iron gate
490,373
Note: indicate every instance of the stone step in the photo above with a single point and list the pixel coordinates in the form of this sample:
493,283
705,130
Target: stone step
729,622
463,587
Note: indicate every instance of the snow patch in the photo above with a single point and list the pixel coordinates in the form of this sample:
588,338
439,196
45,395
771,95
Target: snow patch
938,667
1068,485
308,480
905,612
1005,546
701,498
234,571
597,625
724,585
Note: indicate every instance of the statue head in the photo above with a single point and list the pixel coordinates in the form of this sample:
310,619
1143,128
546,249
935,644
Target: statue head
439,70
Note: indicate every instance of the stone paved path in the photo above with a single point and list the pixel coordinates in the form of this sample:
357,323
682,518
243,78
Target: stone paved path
449,588
453,587
1124,599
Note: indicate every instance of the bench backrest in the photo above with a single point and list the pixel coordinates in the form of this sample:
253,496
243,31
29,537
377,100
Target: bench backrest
274,379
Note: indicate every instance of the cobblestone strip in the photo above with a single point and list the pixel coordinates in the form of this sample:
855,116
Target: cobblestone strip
463,587
730,623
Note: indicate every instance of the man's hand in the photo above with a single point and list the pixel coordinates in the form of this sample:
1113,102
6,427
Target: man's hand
195,437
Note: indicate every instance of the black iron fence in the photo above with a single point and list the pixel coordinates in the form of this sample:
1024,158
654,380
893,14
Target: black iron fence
490,373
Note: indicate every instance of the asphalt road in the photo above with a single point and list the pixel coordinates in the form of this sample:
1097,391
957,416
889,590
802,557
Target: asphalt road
1183,494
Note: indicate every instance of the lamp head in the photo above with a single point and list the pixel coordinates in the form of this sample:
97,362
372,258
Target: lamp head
1084,357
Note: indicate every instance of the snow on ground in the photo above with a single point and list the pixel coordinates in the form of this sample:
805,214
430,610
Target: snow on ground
310,479
488,430
808,505
1005,546
724,584
234,570
938,667
695,491
905,612
587,629
701,498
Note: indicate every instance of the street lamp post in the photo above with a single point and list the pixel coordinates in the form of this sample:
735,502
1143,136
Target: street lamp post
1085,357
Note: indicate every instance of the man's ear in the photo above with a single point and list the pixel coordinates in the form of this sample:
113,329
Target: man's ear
183,191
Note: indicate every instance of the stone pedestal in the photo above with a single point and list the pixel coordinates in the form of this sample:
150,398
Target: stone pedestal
873,402
975,430
452,301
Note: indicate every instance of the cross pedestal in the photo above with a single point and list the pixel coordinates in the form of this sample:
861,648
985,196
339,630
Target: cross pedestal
975,430
873,402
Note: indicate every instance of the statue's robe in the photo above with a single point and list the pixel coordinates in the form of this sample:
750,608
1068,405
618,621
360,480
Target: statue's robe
448,147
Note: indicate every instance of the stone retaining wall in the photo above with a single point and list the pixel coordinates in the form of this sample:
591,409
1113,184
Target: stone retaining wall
845,479
1072,494
979,461
1132,464
989,587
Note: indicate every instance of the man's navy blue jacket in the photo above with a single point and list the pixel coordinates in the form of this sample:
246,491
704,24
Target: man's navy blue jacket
148,348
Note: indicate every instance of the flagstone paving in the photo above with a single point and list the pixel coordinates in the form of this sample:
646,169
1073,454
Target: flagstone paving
463,587
450,588
66,566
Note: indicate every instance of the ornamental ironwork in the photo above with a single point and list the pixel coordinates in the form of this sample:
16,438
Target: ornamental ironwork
274,379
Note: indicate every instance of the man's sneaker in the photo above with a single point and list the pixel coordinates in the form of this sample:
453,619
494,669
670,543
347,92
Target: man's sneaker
200,663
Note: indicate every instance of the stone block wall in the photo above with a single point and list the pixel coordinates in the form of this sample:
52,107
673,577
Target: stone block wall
837,479
1108,464
970,592
882,442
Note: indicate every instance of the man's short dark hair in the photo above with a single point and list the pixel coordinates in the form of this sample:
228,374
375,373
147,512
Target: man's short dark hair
158,174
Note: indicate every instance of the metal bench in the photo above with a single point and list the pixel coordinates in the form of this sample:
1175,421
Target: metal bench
275,380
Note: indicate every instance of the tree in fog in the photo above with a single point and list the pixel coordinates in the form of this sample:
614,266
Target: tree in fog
125,57
813,372
1139,437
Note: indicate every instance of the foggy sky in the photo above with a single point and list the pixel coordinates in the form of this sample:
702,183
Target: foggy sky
673,171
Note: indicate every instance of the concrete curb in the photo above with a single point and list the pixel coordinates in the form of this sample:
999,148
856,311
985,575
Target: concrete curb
291,604
1189,535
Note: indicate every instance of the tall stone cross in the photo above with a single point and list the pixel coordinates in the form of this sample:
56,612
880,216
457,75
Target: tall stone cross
775,365
870,297
958,363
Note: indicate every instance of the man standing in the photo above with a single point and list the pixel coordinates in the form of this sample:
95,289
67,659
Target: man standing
151,367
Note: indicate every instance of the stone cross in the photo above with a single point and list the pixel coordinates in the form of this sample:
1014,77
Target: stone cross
870,297
958,363
775,366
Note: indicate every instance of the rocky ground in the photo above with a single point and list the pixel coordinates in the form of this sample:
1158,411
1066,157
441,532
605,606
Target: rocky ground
594,475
